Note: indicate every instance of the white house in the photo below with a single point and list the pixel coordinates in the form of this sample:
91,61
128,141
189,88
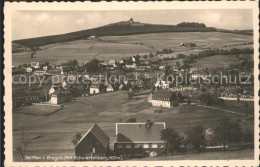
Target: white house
112,62
133,59
57,97
110,88
92,37
130,66
35,64
162,98
161,67
45,68
162,84
40,72
29,69
94,89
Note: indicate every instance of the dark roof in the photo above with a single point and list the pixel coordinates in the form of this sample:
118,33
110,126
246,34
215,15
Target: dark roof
99,134
57,92
138,132
163,94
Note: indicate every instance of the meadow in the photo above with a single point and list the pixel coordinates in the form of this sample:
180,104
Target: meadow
120,47
105,110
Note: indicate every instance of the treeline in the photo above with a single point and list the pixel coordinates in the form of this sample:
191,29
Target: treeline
207,53
191,24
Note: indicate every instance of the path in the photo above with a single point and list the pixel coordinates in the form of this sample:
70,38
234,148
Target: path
232,112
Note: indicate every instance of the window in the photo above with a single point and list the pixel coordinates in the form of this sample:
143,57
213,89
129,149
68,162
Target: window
119,146
128,146
154,146
146,145
138,145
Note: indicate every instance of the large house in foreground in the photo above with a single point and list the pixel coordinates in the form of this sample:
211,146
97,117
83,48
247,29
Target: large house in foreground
94,143
137,139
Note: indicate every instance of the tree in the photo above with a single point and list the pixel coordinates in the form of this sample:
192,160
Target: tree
151,55
92,66
227,132
178,64
76,139
130,95
222,131
132,119
248,137
172,139
196,138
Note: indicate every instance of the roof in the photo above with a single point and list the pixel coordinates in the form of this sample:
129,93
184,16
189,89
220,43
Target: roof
99,134
112,62
138,132
163,94
57,92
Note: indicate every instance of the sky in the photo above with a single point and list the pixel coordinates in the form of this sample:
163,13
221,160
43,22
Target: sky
29,24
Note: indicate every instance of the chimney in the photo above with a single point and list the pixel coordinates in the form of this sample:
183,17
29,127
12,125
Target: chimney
148,123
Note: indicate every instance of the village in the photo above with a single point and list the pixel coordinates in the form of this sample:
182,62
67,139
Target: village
165,86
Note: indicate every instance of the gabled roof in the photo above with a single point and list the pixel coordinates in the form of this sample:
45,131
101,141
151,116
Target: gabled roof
99,134
163,94
139,133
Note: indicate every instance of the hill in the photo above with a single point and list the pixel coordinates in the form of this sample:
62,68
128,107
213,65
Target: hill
115,29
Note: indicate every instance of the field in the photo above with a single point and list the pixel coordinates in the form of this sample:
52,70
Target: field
119,47
232,155
105,110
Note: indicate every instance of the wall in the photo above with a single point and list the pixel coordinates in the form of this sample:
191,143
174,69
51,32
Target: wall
159,103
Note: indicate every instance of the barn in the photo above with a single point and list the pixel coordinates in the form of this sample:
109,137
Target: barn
94,143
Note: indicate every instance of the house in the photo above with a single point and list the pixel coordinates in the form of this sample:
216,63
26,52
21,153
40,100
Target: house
110,67
112,62
121,62
94,143
40,72
94,89
162,67
29,69
57,97
133,59
65,70
162,84
130,65
45,68
110,88
23,99
138,139
35,64
92,37
163,98
175,69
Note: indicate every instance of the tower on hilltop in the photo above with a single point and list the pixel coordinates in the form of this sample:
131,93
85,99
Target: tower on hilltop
131,20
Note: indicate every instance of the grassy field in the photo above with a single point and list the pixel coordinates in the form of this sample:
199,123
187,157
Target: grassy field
217,61
229,155
105,110
129,45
